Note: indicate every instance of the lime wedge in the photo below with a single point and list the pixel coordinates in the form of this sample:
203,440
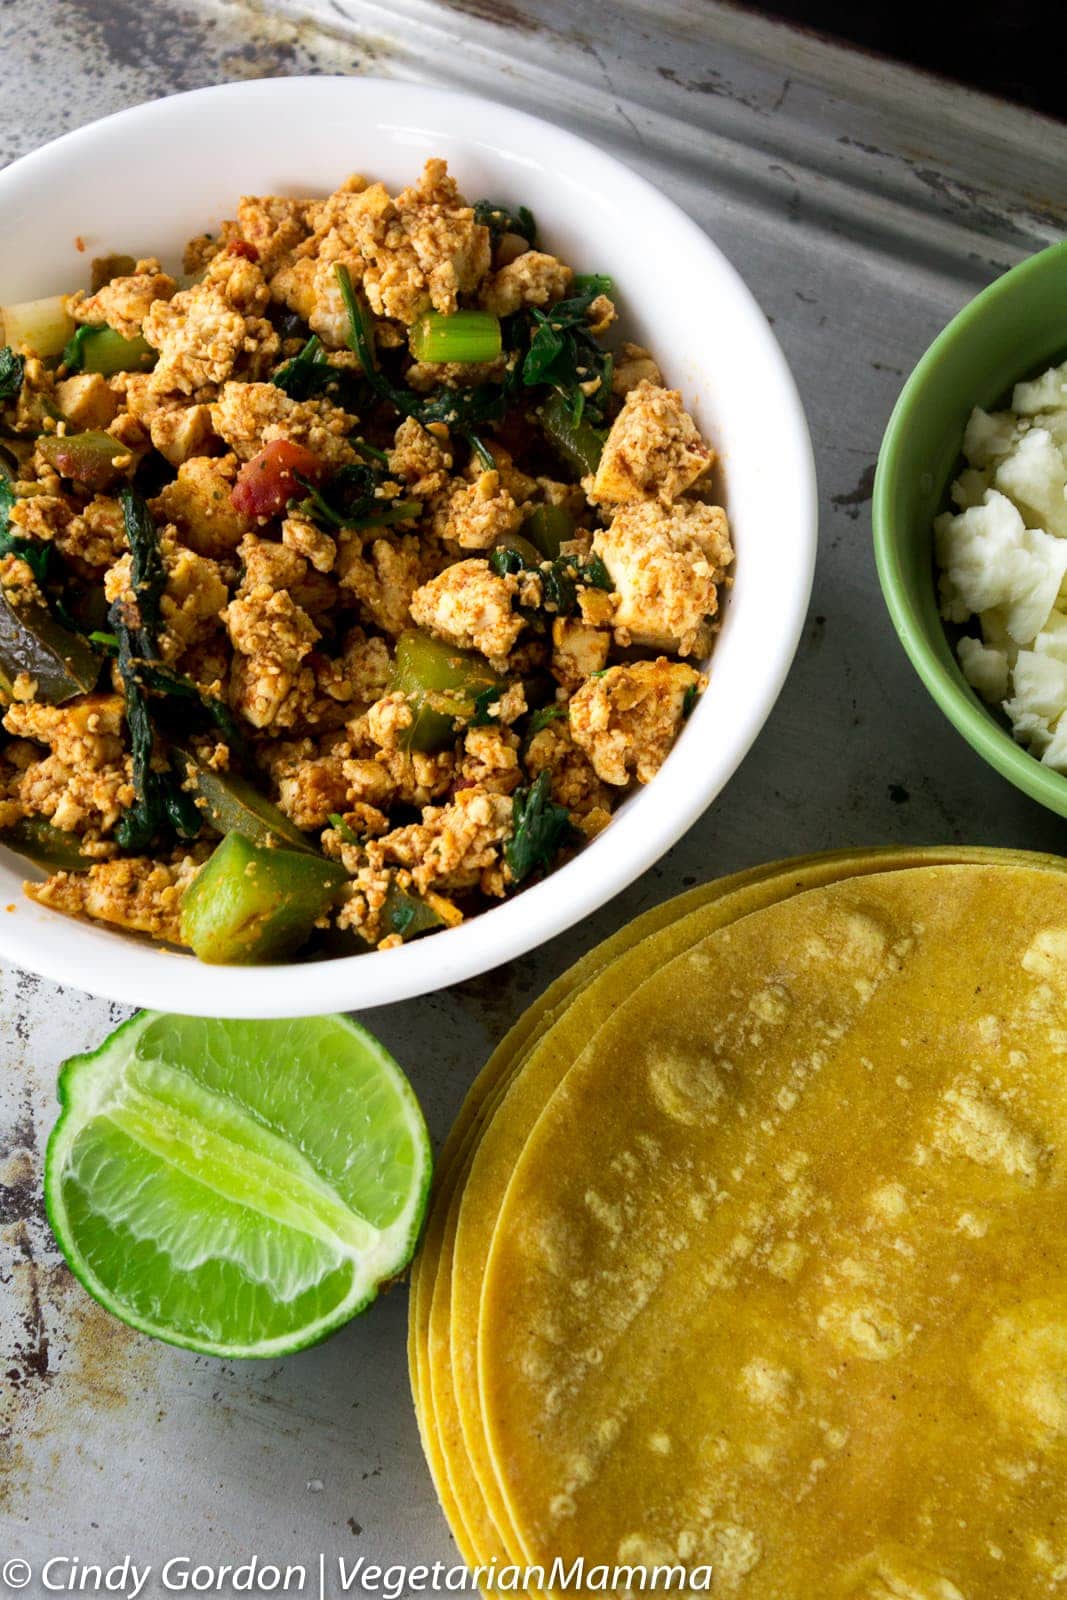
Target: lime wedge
237,1188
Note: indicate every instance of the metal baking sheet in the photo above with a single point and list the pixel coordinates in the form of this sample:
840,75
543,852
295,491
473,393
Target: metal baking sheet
864,204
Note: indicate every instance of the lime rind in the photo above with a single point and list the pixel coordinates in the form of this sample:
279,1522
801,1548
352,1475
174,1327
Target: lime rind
191,1218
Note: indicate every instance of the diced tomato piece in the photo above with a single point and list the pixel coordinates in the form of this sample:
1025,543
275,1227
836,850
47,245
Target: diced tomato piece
267,483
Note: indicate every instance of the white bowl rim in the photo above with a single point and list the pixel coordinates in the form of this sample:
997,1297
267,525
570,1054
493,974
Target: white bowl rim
134,972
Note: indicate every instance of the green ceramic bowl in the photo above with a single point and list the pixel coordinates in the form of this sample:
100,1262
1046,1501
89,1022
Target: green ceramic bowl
1016,327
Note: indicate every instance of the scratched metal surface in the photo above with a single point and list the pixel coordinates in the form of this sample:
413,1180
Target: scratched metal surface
864,204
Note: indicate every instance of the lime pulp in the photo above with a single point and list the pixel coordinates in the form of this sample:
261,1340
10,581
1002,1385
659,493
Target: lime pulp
239,1188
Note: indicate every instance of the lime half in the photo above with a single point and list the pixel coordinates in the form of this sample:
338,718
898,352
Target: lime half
237,1188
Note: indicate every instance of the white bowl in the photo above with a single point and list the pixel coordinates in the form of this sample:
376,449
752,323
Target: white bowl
146,180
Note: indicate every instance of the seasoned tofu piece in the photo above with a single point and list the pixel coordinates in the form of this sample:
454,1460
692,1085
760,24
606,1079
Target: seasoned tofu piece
421,458
138,894
214,330
250,415
124,303
666,565
181,432
84,783
198,503
308,791
271,685
577,651
470,606
87,401
532,279
274,226
383,575
454,847
574,782
192,601
627,720
476,515
490,760
633,365
653,452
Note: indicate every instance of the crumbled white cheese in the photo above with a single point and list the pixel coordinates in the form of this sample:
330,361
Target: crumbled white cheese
985,669
1003,559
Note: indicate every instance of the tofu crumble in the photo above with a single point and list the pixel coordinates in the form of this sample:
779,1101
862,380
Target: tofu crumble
363,537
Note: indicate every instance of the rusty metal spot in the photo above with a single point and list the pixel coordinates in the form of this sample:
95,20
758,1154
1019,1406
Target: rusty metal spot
855,498
498,11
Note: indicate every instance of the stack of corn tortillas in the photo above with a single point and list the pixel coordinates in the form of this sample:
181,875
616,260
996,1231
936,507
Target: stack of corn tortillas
749,1247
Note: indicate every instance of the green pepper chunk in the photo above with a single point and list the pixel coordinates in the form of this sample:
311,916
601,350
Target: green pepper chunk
97,348
442,685
548,527
522,547
87,459
232,805
408,914
62,664
579,443
46,846
249,904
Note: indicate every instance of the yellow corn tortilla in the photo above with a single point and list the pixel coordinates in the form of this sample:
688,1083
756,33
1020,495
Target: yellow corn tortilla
795,1305
446,1305
439,1427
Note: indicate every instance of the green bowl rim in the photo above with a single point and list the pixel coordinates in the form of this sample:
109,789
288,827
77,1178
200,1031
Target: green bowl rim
951,692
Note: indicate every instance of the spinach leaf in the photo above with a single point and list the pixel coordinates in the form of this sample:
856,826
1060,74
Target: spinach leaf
309,374
349,501
37,556
564,355
460,409
541,829
500,219
161,801
12,372
560,579
544,717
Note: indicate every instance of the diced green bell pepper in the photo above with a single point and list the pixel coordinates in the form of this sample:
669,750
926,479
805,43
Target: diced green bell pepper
441,684
251,904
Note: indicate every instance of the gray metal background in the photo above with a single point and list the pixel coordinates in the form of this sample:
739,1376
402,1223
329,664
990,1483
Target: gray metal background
864,204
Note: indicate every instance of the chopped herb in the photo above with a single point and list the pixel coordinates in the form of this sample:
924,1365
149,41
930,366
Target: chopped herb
501,219
12,372
347,834
106,641
689,700
564,355
541,829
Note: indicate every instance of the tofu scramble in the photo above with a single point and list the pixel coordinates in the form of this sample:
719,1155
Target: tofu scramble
1003,560
347,582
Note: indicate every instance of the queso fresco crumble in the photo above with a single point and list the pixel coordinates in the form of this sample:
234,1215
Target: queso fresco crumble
348,581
